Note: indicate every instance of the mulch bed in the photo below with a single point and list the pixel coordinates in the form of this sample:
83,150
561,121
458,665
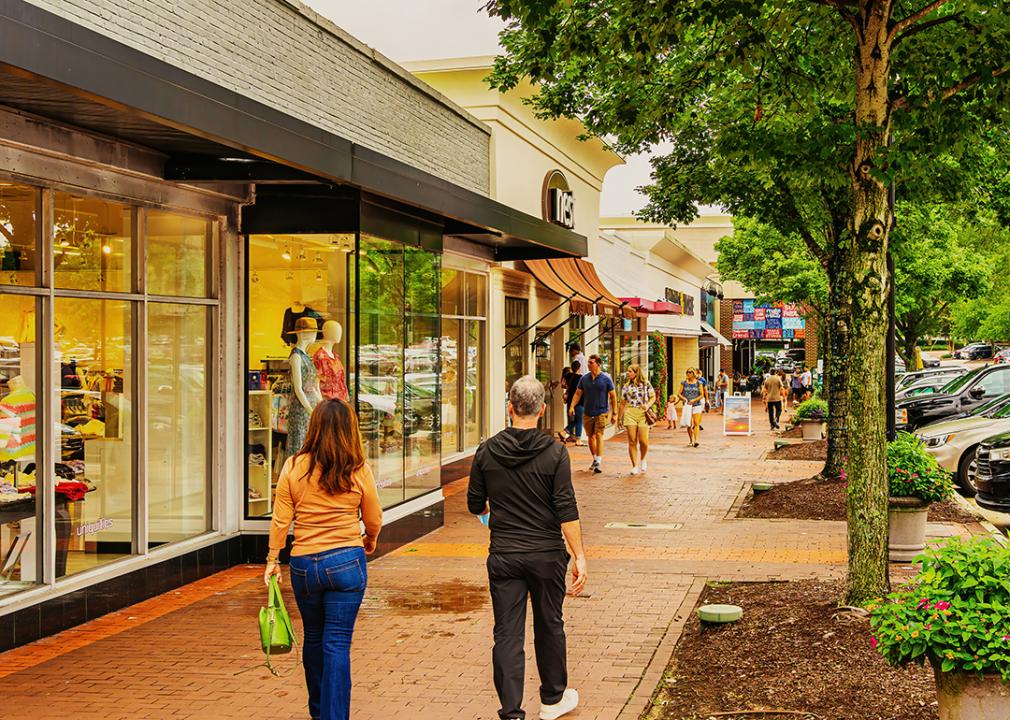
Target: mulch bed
793,650
813,450
817,499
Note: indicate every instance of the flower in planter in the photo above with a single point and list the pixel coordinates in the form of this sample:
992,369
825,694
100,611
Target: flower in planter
814,410
912,472
955,613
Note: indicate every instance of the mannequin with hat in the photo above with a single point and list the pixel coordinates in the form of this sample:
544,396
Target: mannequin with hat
304,381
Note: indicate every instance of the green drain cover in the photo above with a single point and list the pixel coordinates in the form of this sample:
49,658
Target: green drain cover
761,487
720,613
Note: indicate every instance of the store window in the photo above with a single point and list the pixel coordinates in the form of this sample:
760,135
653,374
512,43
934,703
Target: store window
464,297
101,319
178,254
92,243
93,350
300,292
19,211
20,515
178,421
421,379
517,317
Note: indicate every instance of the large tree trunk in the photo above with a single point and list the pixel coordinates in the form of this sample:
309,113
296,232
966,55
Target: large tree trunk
864,278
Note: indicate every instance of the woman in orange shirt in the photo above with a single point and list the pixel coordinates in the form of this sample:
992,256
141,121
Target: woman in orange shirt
328,490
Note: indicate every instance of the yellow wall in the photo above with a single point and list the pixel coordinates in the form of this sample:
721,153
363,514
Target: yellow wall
685,355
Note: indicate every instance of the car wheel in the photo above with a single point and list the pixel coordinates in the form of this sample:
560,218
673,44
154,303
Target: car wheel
966,474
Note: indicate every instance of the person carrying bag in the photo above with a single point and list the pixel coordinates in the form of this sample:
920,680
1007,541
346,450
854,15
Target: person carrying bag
327,490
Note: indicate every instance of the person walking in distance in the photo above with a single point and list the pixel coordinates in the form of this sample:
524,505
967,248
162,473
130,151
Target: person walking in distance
796,386
574,429
637,397
523,478
692,394
328,490
596,389
722,389
773,394
575,354
807,379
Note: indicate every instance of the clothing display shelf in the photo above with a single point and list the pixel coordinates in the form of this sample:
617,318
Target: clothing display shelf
259,452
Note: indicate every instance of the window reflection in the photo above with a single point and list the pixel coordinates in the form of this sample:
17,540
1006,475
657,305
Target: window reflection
178,254
91,243
18,256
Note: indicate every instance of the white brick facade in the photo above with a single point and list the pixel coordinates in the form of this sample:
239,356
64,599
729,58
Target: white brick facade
286,56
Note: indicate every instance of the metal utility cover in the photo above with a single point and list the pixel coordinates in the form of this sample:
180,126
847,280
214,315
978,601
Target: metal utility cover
643,526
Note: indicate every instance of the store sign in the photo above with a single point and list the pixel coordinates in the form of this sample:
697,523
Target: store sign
774,321
684,303
558,202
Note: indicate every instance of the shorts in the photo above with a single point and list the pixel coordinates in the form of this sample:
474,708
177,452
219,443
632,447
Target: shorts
595,424
686,415
635,417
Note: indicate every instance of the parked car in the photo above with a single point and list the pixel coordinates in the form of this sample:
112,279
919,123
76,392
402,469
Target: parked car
786,364
974,351
992,479
797,355
1002,357
899,366
960,395
945,374
954,442
925,386
930,362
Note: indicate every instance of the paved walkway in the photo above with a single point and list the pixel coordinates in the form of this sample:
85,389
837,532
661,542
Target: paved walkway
422,646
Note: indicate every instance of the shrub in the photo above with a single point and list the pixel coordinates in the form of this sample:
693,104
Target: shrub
954,613
912,472
812,409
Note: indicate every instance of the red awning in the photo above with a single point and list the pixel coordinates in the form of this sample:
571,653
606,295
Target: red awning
652,307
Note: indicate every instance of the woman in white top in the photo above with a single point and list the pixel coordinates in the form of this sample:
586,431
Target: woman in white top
637,397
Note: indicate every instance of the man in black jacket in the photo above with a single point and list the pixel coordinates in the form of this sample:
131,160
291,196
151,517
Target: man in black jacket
525,477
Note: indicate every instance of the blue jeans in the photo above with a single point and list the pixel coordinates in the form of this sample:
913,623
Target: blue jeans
574,426
329,587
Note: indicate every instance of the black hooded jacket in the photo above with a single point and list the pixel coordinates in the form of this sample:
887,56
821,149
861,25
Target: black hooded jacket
527,477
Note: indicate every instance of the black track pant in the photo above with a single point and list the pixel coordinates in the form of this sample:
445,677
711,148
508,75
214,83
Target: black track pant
774,413
541,577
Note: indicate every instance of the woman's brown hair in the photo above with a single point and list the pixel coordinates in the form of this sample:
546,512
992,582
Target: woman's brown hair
333,445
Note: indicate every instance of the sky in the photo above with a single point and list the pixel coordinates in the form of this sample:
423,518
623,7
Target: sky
404,30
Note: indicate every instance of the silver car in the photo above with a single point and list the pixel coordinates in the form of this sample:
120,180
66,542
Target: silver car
953,442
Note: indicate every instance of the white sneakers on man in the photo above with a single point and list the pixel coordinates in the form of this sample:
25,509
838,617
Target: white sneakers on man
568,702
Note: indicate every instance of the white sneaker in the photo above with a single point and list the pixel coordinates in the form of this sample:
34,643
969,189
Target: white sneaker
634,471
644,466
568,702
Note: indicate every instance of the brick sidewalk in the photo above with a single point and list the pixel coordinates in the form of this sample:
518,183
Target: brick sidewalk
422,646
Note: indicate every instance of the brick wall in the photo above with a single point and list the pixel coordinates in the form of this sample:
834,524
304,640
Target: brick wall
284,55
726,330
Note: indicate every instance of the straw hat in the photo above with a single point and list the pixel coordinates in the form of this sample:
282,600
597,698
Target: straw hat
304,324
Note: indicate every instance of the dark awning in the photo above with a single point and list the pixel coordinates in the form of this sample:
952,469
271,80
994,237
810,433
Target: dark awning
55,68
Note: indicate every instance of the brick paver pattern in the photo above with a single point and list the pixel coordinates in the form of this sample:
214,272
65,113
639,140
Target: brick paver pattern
422,646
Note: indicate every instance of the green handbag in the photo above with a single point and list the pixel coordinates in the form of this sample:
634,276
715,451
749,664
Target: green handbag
277,634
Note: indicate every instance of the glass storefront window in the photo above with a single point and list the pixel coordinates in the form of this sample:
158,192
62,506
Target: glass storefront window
178,421
472,384
380,362
178,254
20,518
92,360
92,244
292,279
516,319
422,380
18,232
453,358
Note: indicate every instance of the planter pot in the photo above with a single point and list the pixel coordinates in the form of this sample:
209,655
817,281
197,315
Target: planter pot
970,697
906,528
812,429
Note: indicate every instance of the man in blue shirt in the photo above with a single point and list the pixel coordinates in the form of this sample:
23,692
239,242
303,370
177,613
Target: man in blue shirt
597,390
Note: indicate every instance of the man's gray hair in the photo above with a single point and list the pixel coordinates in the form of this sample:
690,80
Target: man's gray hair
526,396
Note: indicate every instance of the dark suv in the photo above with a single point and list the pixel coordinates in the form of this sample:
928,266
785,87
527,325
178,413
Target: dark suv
957,397
992,473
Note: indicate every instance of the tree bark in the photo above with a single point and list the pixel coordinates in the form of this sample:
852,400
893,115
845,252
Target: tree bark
864,278
835,376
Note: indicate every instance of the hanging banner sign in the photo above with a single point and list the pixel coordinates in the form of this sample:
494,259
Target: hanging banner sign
774,321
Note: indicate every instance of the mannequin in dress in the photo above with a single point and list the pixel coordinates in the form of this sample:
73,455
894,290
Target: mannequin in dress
304,382
332,378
